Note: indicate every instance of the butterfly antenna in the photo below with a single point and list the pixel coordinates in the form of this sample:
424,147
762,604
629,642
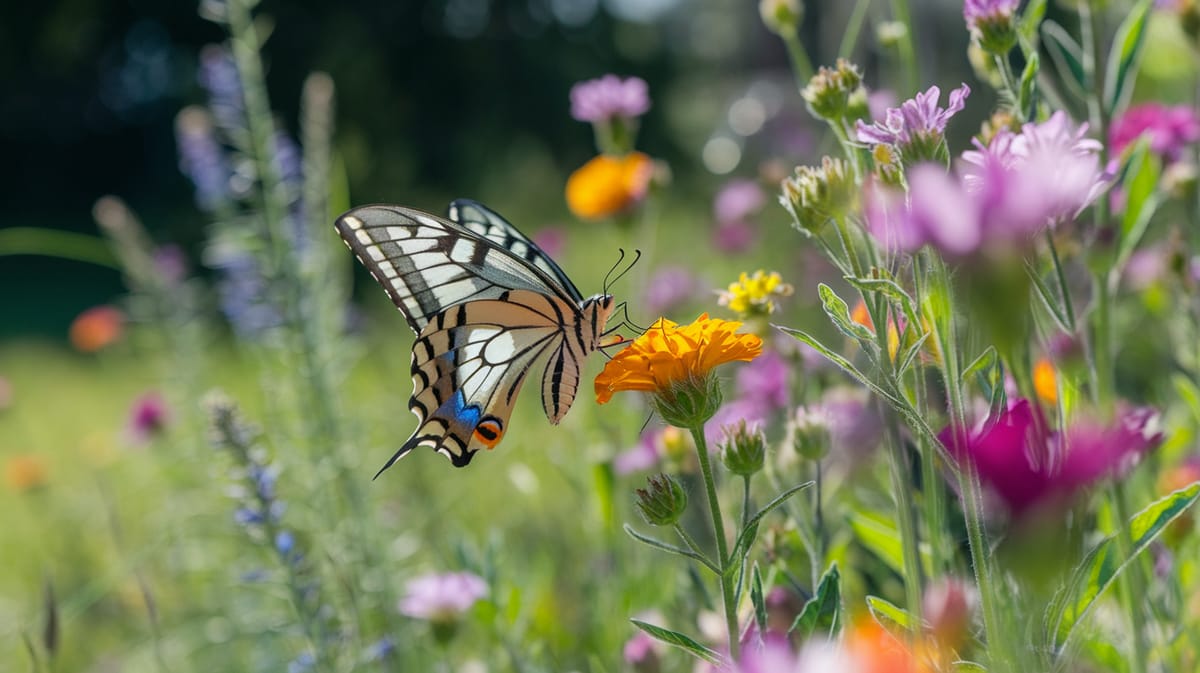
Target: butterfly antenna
637,255
613,269
627,321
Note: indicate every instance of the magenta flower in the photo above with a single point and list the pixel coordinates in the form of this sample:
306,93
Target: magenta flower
737,200
599,100
552,240
735,236
1027,466
442,597
148,417
1168,129
980,12
765,380
917,127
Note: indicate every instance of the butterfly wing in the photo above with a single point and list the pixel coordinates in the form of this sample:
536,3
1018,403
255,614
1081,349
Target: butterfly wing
427,264
470,362
490,225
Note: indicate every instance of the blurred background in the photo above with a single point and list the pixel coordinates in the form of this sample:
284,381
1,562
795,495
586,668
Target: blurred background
435,99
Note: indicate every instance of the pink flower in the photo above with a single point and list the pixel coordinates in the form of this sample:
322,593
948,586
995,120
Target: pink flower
1168,129
917,127
148,417
442,597
599,100
642,456
977,11
668,288
1028,466
738,199
552,240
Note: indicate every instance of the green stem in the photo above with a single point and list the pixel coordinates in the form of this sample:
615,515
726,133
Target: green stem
1133,585
853,28
908,55
801,67
56,243
902,493
723,560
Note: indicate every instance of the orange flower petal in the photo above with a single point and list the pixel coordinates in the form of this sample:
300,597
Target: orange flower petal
607,185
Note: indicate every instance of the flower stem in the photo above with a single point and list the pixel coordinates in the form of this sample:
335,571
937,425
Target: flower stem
908,55
723,559
902,493
801,67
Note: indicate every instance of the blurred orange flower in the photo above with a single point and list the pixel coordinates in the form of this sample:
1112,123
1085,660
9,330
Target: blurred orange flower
97,328
24,473
874,650
1045,381
667,354
607,185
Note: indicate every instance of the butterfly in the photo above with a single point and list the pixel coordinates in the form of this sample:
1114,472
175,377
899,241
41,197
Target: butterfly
487,305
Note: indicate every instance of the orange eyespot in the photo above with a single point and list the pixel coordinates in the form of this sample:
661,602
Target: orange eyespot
489,432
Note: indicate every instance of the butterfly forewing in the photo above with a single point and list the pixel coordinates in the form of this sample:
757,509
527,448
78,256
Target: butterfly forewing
487,305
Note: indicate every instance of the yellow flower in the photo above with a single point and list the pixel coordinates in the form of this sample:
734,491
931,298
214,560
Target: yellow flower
668,354
1045,381
607,185
24,473
755,294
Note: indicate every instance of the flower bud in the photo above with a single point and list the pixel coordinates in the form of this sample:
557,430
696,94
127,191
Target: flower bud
816,195
663,503
992,24
828,92
891,33
781,16
745,448
690,402
810,432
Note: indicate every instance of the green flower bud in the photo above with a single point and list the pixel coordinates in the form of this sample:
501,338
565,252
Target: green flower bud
828,92
744,450
810,432
996,32
663,503
816,195
891,33
781,16
690,402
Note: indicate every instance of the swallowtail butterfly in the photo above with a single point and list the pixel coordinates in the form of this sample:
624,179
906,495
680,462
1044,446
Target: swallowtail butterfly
487,305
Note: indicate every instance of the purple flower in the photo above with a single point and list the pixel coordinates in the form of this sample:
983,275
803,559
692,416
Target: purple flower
764,380
642,456
201,157
219,76
1029,466
976,12
552,240
669,288
442,597
147,417
171,263
917,127
642,652
1168,129
734,236
599,100
737,200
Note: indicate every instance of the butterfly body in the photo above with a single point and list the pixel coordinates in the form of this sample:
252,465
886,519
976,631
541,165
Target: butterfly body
487,306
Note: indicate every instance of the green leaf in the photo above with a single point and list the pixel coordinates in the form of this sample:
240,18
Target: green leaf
823,610
1052,303
888,614
878,534
963,666
1126,50
756,599
890,289
1100,568
679,640
670,548
837,310
982,365
1141,201
1067,56
1031,18
1189,393
1027,100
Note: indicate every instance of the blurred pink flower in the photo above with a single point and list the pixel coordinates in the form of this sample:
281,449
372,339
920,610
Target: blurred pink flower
442,596
765,380
1028,466
738,199
599,100
148,417
977,11
552,240
642,456
1169,129
735,236
668,288
917,126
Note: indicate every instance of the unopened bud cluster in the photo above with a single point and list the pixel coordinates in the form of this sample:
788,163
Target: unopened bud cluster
690,402
744,450
829,92
815,195
663,503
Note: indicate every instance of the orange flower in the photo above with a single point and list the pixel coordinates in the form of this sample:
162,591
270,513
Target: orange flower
668,354
607,185
1045,381
874,650
96,328
24,473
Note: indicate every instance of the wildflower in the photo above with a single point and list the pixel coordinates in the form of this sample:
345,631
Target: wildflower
607,185
643,456
992,24
738,199
663,503
24,473
1168,129
870,648
609,97
744,449
381,649
946,607
243,292
642,652
781,16
755,295
668,288
810,432
219,76
765,381
816,195
552,240
916,128
1028,466
147,417
97,328
201,157
675,363
828,92
171,263
442,598
734,237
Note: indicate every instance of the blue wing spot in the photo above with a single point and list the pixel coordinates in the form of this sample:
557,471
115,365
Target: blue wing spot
457,408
